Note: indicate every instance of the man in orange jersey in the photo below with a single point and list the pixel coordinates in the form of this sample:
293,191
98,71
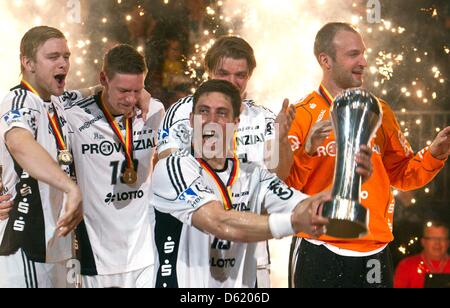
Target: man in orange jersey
364,262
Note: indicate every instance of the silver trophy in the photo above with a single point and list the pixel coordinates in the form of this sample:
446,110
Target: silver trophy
356,116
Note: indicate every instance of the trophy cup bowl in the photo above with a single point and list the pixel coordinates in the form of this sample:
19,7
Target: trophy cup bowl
356,116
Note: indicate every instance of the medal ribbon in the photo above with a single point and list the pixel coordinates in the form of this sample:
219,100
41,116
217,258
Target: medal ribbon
127,142
54,120
326,95
57,131
225,190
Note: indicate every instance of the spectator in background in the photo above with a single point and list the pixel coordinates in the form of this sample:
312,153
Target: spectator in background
173,71
411,272
196,9
141,26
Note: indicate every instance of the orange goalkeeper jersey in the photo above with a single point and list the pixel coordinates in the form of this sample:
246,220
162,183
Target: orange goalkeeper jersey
394,164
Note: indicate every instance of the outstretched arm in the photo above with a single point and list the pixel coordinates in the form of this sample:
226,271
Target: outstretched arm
249,227
440,148
37,162
406,170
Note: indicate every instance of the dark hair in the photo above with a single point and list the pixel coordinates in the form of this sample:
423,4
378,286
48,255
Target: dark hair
34,38
124,59
224,87
324,42
230,47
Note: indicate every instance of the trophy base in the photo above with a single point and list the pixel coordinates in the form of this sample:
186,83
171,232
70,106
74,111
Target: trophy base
348,219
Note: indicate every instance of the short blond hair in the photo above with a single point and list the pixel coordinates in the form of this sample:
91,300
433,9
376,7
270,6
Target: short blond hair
324,42
35,38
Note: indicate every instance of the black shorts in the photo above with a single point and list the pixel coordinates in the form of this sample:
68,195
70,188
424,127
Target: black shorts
313,266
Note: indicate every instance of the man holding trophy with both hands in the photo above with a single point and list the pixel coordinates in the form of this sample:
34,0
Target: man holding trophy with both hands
361,215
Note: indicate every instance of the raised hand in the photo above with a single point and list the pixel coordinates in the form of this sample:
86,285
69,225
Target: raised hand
143,104
285,118
317,135
440,148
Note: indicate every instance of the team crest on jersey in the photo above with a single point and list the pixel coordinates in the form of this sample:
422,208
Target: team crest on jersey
313,106
183,133
69,99
181,153
191,197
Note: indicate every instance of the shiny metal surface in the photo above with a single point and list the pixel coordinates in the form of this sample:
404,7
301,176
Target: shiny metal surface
356,116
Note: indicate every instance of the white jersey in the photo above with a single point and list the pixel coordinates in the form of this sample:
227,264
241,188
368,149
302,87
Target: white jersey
256,127
117,233
190,258
37,206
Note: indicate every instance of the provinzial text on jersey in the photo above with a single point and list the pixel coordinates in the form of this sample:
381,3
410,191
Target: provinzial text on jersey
250,139
107,148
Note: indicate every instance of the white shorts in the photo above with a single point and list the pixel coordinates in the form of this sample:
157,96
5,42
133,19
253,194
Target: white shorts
143,278
17,271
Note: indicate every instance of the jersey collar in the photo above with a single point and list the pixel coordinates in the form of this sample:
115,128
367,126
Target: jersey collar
326,95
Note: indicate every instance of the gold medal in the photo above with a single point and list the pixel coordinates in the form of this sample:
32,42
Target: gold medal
130,176
65,158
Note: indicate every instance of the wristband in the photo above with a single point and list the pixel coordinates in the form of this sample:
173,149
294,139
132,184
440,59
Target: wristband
280,225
